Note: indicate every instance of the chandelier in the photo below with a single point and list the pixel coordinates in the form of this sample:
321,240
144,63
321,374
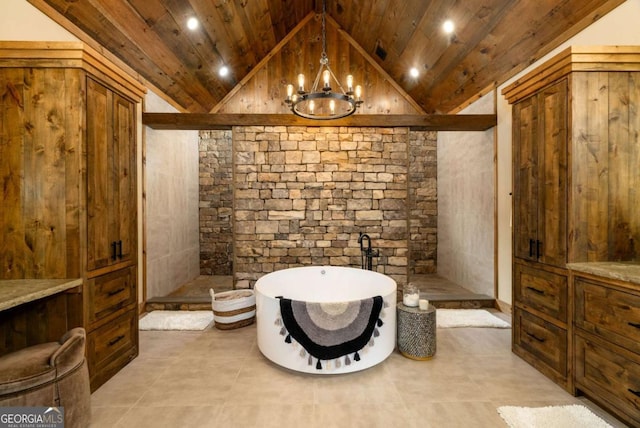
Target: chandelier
324,103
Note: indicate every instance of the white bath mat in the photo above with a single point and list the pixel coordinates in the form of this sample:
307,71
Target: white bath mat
176,320
450,318
551,417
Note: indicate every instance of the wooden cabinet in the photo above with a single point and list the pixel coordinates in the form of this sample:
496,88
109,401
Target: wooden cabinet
607,343
68,161
540,149
576,156
540,176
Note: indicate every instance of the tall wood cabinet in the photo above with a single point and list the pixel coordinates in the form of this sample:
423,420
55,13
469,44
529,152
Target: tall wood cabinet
68,155
540,147
576,166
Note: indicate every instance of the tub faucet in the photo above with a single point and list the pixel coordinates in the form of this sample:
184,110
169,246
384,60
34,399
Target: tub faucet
361,239
366,254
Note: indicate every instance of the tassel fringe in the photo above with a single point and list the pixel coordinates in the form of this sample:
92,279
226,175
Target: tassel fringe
337,363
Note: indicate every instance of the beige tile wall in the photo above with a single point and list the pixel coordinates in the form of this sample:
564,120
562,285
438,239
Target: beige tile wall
466,205
171,184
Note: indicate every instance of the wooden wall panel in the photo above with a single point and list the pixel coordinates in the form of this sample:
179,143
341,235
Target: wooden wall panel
46,133
264,92
40,321
606,167
590,193
619,215
634,162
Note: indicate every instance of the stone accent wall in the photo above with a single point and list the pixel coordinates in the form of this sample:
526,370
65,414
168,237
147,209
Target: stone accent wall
216,203
303,194
423,202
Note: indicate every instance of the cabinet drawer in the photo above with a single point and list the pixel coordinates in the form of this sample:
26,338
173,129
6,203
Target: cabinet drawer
112,346
543,341
610,373
610,313
111,292
542,290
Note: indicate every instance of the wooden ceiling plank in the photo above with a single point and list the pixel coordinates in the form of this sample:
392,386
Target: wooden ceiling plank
133,26
365,24
276,49
194,121
404,22
256,20
531,42
201,55
240,45
83,22
471,34
375,65
425,46
277,18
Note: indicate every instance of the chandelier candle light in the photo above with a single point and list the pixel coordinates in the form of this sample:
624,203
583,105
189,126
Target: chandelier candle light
324,103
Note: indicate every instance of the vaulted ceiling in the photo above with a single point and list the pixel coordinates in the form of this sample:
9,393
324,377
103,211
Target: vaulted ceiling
493,40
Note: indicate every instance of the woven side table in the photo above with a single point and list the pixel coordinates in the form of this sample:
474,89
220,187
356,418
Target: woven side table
416,332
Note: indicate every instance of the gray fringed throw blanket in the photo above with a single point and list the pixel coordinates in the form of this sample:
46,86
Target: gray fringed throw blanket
328,331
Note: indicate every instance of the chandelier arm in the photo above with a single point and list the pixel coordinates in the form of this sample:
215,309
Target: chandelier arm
314,88
336,80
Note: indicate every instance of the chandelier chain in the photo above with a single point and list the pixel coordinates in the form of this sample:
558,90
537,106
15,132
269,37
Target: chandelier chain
324,29
324,103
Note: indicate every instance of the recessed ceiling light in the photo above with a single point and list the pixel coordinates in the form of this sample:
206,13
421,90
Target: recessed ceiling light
414,72
192,23
448,26
224,71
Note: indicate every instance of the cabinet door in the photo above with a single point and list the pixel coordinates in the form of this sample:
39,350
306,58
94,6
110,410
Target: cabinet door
525,174
540,176
111,177
125,185
100,176
551,241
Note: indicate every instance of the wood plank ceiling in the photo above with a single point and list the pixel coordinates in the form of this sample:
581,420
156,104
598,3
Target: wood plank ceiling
493,40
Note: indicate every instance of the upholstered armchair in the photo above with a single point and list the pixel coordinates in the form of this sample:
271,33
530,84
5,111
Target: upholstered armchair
51,374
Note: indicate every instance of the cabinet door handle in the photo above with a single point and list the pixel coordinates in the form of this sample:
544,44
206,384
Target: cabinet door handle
634,324
636,393
530,247
114,292
116,340
538,249
535,290
535,337
120,249
113,250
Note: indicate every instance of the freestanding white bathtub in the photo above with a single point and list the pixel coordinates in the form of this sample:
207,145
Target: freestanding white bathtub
334,287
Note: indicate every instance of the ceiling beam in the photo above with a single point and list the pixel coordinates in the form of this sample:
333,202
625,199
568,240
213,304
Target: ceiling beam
418,122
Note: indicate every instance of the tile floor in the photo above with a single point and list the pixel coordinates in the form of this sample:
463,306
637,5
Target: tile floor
219,379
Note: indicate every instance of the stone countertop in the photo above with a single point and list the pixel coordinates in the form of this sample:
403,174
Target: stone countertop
14,292
625,271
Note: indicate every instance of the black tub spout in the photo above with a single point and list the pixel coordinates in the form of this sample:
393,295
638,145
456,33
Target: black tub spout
366,254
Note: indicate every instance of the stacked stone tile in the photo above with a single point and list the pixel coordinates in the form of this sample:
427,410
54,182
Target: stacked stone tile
423,202
302,195
216,203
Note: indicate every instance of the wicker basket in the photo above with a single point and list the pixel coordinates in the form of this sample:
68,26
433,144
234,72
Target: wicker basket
233,309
